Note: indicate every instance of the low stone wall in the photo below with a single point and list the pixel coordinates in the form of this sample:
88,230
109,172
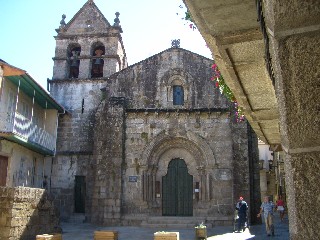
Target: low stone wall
26,212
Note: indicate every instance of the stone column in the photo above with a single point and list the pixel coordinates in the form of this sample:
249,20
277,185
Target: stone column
294,33
202,184
84,68
60,69
263,183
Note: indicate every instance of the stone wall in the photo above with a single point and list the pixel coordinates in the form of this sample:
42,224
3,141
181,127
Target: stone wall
65,169
149,84
26,168
202,139
80,99
246,171
26,212
75,139
109,163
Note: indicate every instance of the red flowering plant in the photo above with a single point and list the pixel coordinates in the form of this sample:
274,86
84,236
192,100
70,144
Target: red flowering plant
219,82
217,78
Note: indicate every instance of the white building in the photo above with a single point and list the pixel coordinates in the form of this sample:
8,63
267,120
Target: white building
28,129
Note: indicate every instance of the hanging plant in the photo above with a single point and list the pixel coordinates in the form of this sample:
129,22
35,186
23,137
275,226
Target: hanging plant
219,82
218,79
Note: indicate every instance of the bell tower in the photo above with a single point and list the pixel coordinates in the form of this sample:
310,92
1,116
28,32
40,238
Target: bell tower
88,50
88,46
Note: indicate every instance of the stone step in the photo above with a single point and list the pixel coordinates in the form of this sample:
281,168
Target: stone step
77,218
166,225
173,222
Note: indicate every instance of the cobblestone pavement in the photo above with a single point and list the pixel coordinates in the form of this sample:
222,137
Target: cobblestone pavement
84,231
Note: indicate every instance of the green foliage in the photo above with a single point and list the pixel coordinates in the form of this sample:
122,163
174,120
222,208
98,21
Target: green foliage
188,17
226,91
201,225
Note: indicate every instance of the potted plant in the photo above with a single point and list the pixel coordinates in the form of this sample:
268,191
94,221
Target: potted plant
201,231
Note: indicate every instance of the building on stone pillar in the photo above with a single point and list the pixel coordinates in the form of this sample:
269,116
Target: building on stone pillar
272,181
134,135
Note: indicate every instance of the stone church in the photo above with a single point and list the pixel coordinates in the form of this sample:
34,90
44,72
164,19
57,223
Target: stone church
154,139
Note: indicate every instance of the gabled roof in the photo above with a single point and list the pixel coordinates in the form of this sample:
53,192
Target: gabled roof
87,5
9,70
29,86
158,54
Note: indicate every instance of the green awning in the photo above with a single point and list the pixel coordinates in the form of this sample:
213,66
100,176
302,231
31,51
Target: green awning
30,145
28,85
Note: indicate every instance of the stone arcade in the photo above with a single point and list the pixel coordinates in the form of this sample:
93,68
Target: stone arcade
152,139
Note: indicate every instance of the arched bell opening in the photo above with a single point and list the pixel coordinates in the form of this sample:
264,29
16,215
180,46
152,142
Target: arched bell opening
73,53
97,62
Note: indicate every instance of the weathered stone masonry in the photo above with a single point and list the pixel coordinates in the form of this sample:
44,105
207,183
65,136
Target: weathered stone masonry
26,212
214,147
128,125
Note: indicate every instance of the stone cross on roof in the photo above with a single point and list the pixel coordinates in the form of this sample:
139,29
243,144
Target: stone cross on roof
175,43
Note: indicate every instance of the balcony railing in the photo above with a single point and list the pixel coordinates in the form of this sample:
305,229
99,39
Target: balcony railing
27,131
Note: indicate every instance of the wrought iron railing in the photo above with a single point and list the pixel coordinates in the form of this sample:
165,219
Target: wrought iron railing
23,127
266,41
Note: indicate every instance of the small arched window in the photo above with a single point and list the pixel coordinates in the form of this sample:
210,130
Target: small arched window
97,61
74,61
178,95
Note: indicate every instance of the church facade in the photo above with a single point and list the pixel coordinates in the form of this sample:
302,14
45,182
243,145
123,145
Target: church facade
154,139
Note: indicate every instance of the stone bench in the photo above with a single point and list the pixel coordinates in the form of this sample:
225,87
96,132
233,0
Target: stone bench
54,236
166,236
105,235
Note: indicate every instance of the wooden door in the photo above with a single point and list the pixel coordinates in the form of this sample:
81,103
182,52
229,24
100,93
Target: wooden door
80,194
177,190
3,170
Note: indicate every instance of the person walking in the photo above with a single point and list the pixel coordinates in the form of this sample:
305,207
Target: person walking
242,208
267,207
280,207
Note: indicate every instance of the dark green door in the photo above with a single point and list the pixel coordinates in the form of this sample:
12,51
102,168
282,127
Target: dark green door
80,194
177,190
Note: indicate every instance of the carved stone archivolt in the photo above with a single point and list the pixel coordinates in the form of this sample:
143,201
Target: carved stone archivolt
191,148
190,142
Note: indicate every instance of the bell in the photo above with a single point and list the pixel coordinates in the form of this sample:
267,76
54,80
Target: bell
97,61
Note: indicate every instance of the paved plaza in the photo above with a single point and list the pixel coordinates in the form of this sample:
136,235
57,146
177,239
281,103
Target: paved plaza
84,231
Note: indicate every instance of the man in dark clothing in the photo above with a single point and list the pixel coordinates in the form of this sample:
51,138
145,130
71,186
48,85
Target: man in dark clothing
242,208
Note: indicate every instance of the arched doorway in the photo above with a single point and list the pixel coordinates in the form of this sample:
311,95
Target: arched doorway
177,190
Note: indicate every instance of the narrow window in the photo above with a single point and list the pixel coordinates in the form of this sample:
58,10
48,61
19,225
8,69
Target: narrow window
158,189
196,190
82,107
178,96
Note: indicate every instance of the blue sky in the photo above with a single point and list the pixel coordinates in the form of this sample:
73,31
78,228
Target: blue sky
28,29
